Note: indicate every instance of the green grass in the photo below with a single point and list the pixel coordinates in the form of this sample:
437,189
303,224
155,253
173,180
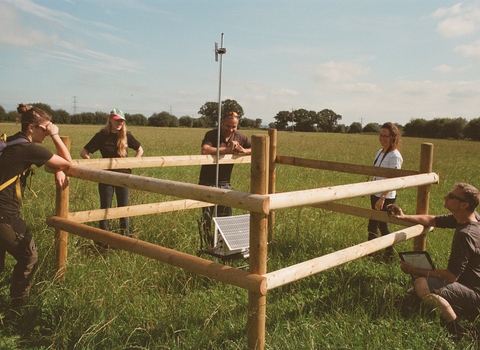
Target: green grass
119,300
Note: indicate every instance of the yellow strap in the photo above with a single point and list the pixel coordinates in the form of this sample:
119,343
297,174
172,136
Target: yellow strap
18,185
3,138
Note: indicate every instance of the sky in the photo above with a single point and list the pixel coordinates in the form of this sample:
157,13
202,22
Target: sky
370,61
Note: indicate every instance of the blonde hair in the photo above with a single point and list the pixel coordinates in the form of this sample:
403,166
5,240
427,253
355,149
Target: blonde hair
122,144
31,115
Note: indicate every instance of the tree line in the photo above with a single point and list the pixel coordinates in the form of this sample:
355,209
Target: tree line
304,120
208,117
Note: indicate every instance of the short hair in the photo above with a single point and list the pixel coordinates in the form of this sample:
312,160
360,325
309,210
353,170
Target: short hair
231,114
470,194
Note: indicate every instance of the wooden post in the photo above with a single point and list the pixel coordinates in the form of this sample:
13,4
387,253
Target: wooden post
423,192
61,237
272,178
258,243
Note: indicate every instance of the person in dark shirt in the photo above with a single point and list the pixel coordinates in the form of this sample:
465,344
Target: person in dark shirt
231,142
113,141
456,289
20,153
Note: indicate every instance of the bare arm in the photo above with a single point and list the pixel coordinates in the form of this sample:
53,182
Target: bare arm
446,274
85,154
138,153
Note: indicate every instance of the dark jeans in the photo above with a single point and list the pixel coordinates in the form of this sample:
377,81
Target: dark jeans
106,197
22,247
374,226
205,224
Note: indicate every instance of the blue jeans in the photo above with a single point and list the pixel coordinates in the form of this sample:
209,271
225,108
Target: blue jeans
106,197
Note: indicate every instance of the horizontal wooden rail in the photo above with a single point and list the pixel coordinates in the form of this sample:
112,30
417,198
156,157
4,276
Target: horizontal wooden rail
236,199
362,212
314,196
135,210
311,267
243,279
150,162
344,167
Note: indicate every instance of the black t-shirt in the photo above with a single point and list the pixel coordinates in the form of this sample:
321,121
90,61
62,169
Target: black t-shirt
208,173
14,160
107,145
464,261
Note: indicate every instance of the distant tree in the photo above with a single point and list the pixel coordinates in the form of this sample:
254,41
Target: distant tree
163,119
272,125
282,119
61,117
250,123
328,120
453,128
415,128
199,123
472,129
44,107
355,128
304,120
340,128
371,128
12,116
136,119
3,114
185,121
209,111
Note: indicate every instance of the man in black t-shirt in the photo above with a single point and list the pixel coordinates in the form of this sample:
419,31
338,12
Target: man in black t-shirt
456,289
231,142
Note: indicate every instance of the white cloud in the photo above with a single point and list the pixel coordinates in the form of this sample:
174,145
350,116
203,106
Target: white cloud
443,68
338,72
12,33
459,20
470,51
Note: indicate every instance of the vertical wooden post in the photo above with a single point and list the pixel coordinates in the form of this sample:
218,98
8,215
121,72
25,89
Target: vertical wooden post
423,192
61,237
272,178
258,243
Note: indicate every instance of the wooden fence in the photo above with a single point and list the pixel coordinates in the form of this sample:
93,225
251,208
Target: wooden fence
262,203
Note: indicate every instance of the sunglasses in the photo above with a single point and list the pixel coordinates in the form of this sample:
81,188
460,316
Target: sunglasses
452,196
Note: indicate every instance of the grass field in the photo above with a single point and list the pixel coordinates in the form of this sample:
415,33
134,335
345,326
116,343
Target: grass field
118,300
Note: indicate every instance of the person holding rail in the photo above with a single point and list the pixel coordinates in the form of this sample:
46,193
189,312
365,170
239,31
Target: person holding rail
113,141
455,291
231,142
16,159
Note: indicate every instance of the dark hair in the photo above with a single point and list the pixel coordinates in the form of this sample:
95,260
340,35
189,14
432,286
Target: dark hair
31,115
470,194
394,135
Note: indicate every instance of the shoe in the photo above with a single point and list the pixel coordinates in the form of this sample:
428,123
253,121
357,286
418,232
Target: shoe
455,329
17,302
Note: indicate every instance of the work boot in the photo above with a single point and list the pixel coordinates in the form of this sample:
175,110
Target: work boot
455,329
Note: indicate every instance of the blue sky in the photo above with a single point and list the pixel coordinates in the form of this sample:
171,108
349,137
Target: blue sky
369,61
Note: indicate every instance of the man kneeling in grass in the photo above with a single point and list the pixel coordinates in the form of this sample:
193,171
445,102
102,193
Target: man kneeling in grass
455,291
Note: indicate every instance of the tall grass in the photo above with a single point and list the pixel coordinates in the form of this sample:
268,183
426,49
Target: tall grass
118,300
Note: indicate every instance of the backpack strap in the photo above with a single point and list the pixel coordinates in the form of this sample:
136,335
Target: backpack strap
18,185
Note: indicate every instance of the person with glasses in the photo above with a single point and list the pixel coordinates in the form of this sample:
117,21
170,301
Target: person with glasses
21,152
387,157
113,141
455,291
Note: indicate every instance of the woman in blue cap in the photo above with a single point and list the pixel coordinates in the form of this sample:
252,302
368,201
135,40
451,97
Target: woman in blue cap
113,141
